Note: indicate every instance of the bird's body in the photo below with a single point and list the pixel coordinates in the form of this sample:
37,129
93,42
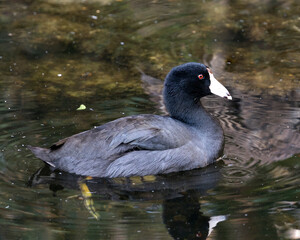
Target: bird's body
146,144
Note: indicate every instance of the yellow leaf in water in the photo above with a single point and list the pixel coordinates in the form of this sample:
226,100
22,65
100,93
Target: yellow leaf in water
81,107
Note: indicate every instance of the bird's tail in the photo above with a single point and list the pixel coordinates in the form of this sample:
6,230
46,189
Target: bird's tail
41,153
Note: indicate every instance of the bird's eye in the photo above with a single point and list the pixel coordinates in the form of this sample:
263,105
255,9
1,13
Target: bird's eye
200,76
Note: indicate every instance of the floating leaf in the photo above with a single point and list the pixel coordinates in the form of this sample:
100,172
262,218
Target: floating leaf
81,107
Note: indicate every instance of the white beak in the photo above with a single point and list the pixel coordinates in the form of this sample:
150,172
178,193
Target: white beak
217,88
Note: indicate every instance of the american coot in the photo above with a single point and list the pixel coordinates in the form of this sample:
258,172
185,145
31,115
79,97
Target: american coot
149,144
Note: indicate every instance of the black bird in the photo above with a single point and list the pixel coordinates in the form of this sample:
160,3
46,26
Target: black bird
149,144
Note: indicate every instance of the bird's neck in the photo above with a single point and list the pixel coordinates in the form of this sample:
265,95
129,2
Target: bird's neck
194,114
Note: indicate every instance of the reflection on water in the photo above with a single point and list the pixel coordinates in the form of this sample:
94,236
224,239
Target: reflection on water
56,55
178,195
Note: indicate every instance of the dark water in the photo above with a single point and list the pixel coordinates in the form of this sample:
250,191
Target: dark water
56,55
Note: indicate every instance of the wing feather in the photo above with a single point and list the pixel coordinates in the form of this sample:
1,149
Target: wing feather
101,146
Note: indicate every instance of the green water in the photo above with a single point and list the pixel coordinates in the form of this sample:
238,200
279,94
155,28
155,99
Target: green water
56,55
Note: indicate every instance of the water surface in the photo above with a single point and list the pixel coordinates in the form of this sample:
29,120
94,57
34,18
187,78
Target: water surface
56,55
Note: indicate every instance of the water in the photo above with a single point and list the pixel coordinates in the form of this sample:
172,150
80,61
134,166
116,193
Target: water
57,55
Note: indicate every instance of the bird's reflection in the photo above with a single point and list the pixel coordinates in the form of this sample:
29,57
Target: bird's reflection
184,219
179,193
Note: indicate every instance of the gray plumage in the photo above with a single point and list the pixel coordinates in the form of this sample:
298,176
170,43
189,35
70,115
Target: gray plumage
147,144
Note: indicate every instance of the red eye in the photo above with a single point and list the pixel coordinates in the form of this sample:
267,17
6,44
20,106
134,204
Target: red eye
200,76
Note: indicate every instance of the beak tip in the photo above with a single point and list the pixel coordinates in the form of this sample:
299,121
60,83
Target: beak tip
229,97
